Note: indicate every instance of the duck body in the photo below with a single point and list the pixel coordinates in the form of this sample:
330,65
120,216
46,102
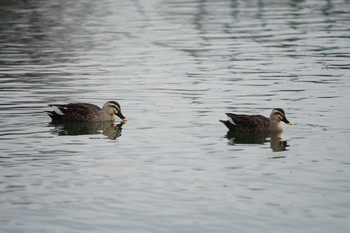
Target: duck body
85,112
247,123
256,123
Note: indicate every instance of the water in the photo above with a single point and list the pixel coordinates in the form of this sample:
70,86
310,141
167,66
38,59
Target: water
175,67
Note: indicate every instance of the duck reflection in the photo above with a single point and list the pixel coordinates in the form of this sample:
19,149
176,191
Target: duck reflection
275,139
108,129
277,143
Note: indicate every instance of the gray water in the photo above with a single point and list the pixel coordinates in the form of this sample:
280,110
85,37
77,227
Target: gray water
176,68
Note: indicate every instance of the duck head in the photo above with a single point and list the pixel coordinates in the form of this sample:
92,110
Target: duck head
278,115
113,108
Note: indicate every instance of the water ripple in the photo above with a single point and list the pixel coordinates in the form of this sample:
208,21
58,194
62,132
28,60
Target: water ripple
175,67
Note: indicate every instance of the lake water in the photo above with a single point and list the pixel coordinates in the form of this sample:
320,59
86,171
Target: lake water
176,68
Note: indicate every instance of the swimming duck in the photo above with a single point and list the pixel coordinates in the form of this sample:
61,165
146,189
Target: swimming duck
84,112
256,123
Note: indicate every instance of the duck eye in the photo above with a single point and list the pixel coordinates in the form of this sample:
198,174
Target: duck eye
116,108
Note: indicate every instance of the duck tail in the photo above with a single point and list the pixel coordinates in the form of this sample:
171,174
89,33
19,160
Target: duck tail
53,115
228,124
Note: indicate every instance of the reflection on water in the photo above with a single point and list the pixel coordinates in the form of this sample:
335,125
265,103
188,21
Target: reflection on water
277,143
275,138
87,128
245,138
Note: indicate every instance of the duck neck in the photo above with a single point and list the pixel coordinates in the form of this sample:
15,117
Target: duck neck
275,126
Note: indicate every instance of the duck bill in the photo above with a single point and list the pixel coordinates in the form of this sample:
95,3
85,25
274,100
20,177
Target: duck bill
121,116
287,121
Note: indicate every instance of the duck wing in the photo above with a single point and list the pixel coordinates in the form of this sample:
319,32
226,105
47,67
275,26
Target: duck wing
73,111
253,123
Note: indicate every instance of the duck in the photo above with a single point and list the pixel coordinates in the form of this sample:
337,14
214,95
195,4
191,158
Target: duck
256,123
85,112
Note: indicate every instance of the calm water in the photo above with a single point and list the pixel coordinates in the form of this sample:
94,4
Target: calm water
175,67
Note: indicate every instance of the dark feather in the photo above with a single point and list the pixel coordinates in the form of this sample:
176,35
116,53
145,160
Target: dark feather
247,123
77,112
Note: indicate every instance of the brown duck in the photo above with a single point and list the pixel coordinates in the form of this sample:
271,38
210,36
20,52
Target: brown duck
84,112
256,123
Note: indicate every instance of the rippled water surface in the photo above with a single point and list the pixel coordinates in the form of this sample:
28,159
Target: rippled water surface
176,68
